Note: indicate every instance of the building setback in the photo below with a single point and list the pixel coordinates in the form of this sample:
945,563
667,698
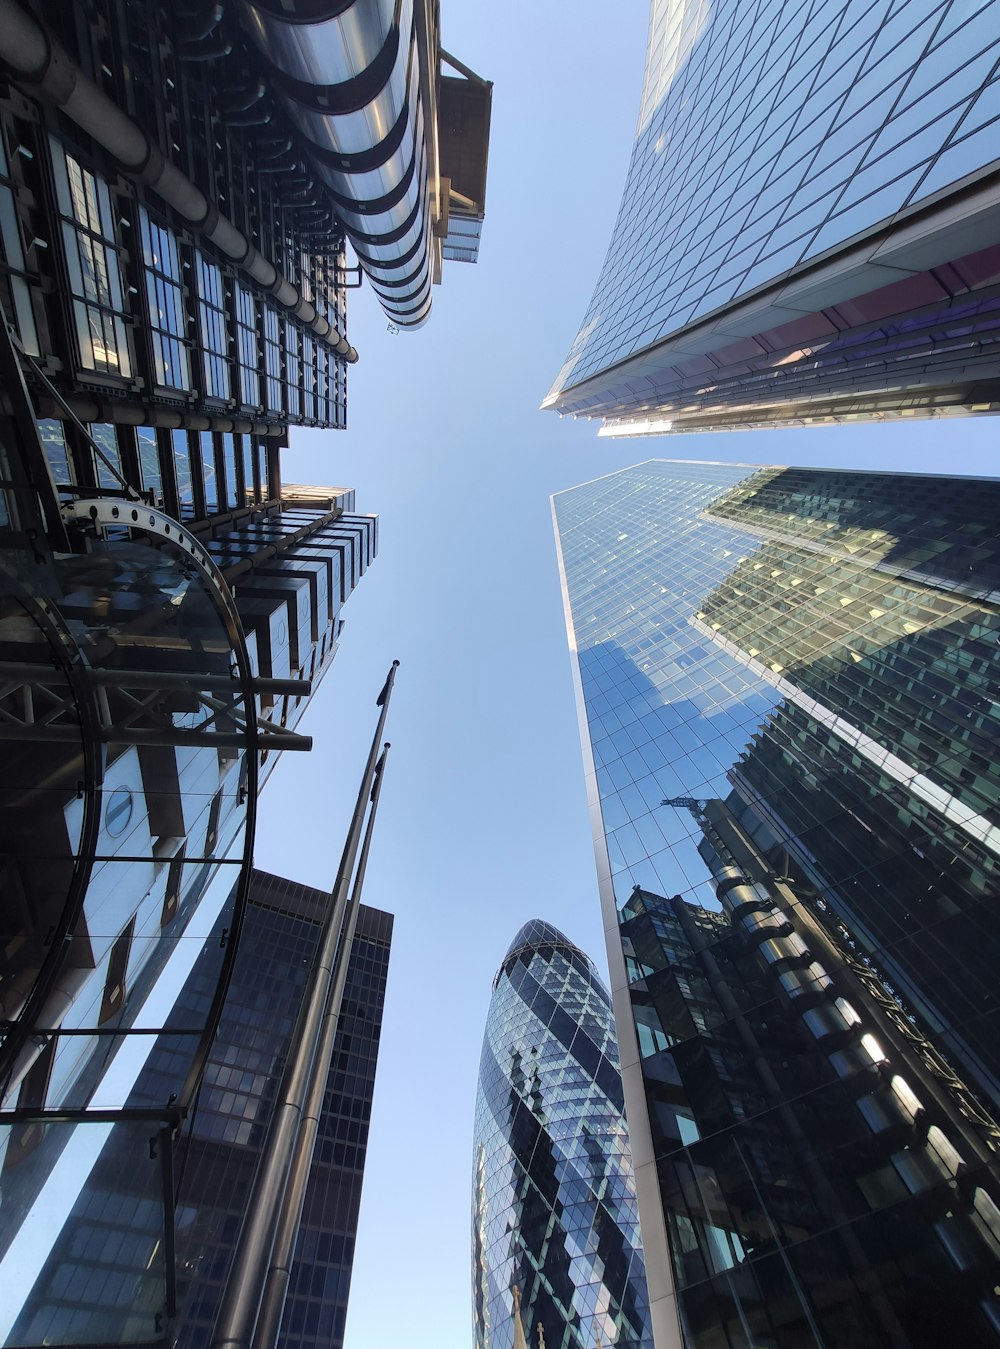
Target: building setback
786,685
557,1261
808,229
105,1276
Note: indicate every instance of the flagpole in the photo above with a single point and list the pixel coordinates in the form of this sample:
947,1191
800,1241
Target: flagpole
280,1267
241,1302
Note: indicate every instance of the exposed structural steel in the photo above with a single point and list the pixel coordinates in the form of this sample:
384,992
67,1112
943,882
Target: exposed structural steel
39,60
360,87
251,1309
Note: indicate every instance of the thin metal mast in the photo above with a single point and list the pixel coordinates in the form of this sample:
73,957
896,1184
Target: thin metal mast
279,1269
241,1303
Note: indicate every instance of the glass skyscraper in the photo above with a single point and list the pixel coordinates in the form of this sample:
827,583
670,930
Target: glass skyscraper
108,1278
787,690
809,222
556,1252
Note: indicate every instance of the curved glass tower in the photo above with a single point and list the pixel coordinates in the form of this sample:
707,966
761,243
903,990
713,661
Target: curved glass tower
556,1247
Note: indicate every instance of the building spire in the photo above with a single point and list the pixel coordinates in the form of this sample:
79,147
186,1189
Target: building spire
519,1338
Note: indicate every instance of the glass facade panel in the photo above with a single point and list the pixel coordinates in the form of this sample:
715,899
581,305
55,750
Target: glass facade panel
556,1246
784,677
92,264
166,304
766,139
212,322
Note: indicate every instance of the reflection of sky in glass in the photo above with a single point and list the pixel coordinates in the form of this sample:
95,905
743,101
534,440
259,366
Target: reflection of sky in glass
768,135
668,712
815,648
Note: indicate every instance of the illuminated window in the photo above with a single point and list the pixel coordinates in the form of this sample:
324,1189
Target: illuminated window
92,263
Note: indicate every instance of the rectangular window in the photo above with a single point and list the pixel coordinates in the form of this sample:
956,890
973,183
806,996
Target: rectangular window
212,324
13,254
54,444
321,391
92,263
272,359
166,304
231,487
308,378
293,369
248,346
149,460
251,489
208,472
104,434
182,469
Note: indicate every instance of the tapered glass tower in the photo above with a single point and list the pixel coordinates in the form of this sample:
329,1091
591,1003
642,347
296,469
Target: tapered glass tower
809,223
557,1259
786,682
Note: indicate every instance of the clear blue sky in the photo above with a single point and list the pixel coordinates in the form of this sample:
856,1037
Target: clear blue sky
483,821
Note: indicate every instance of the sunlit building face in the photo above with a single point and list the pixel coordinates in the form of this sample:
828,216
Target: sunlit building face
809,222
784,679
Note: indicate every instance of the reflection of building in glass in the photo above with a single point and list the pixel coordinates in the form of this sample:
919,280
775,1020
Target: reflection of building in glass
809,222
788,685
556,1252
110,1243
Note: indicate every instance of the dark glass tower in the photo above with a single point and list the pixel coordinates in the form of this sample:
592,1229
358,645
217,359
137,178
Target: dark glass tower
809,222
104,1278
787,682
556,1253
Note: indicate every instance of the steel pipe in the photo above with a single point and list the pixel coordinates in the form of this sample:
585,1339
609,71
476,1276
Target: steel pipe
38,59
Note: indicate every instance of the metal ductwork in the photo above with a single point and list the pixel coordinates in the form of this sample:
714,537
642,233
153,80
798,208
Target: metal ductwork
36,58
349,76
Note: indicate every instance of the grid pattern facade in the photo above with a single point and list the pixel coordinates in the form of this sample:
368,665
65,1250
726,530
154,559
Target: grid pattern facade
114,1229
128,305
556,1243
770,136
815,650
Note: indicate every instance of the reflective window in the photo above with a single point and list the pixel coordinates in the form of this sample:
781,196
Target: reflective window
105,436
212,325
182,468
149,459
91,255
231,486
166,304
13,256
785,676
766,137
54,443
272,358
209,477
248,345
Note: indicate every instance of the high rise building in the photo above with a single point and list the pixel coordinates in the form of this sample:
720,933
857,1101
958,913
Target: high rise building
178,188
786,683
151,677
106,1278
557,1260
808,227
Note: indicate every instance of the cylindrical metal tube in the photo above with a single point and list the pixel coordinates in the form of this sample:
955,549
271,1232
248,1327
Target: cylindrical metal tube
279,1271
37,58
241,1301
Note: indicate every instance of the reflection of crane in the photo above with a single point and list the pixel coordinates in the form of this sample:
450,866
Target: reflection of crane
686,803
